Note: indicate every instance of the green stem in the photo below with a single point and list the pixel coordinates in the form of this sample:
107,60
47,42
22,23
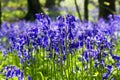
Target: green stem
68,61
75,67
90,68
61,65
54,65
82,62
43,58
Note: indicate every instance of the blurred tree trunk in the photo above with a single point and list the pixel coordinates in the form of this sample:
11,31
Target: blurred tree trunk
59,1
50,3
106,7
86,9
33,8
77,9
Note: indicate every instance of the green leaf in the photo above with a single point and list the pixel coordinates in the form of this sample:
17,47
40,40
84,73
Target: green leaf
67,73
107,3
96,74
42,77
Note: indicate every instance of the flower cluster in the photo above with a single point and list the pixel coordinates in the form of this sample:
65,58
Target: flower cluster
62,37
12,71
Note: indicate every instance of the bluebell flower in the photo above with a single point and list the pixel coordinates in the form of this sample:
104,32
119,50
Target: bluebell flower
96,63
12,71
60,18
81,37
39,16
115,57
18,72
50,55
74,45
88,33
105,76
29,78
88,45
118,66
109,67
60,21
81,44
8,74
86,56
64,57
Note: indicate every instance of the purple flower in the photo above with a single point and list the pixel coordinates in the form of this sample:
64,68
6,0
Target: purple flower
105,76
12,71
115,57
86,56
109,68
29,78
118,66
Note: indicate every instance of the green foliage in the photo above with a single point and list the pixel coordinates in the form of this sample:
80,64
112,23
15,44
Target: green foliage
46,69
13,10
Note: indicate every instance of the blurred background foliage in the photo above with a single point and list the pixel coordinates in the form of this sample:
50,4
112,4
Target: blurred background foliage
15,10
